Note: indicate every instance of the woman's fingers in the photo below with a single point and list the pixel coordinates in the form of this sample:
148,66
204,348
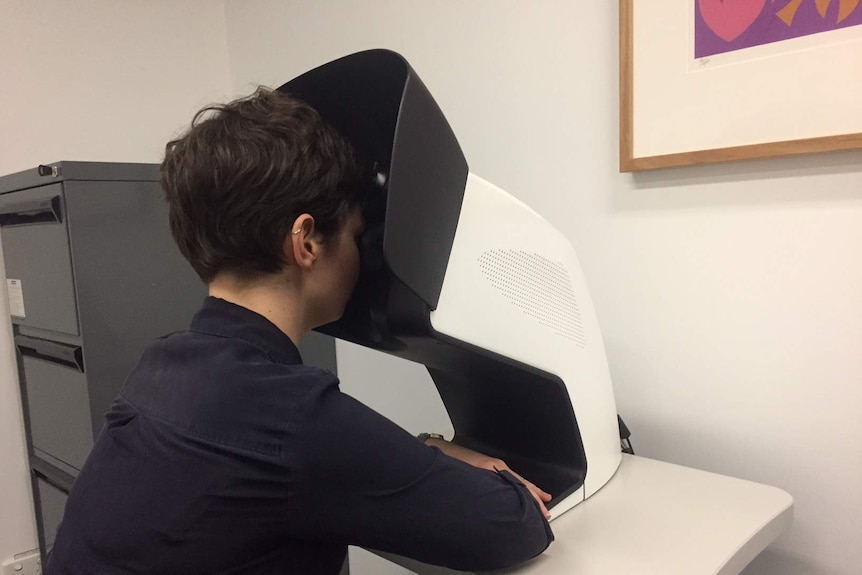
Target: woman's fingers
538,494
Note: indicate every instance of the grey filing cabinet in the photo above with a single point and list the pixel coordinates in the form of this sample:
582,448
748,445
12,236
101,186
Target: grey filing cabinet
93,276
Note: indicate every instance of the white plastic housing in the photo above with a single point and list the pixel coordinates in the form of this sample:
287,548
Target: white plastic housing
514,286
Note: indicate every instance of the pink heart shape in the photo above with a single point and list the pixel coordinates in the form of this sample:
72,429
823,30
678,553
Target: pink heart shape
730,18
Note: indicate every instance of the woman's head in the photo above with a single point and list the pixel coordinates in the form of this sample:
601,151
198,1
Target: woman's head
239,177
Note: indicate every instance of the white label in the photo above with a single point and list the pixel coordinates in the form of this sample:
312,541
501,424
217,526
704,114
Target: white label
16,298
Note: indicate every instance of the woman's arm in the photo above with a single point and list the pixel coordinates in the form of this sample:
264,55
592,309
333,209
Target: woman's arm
365,481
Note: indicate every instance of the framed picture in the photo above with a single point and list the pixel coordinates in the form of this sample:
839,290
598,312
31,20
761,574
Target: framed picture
707,81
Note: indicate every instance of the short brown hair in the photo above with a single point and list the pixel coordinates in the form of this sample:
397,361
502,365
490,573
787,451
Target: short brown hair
237,179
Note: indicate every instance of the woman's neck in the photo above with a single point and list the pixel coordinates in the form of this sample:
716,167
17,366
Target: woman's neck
272,297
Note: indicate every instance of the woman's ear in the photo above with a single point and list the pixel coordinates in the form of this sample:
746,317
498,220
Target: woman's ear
302,244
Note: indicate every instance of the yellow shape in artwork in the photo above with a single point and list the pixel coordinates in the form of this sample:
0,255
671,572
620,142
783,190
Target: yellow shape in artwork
788,12
845,8
823,6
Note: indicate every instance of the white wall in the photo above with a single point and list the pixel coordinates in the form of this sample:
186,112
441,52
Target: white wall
95,80
730,297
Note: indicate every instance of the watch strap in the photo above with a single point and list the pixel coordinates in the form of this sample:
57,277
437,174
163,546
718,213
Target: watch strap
423,437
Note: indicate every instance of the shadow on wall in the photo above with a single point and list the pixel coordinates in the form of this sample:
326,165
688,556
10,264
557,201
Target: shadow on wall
772,562
739,183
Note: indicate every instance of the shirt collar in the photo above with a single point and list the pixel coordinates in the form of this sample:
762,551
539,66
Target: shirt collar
225,319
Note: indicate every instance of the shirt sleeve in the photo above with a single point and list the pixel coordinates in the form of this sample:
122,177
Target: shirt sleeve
365,481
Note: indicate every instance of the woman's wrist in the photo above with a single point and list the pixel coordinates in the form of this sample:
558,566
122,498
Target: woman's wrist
424,437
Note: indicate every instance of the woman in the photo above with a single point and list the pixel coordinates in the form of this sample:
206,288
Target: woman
223,453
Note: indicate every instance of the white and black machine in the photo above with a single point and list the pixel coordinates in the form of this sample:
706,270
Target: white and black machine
460,276
463,278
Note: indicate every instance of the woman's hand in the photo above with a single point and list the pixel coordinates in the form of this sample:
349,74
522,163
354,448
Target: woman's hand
482,461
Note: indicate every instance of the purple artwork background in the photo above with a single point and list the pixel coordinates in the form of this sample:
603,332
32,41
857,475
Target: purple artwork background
768,27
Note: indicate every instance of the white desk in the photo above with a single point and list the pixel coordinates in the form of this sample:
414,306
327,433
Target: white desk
655,518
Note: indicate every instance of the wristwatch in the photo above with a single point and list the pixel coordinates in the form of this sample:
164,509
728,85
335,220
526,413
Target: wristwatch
423,437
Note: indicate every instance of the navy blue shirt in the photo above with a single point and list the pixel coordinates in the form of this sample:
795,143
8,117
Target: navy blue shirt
224,454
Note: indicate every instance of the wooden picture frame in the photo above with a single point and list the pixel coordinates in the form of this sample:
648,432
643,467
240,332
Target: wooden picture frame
629,162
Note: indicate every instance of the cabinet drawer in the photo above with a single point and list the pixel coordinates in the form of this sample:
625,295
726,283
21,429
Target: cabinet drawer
58,406
38,262
52,505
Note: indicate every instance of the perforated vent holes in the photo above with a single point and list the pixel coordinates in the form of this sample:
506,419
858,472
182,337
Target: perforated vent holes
541,288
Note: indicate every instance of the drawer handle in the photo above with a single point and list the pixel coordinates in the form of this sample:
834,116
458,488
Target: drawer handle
51,474
61,353
46,211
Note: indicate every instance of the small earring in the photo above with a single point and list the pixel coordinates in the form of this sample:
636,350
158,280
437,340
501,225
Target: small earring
297,231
